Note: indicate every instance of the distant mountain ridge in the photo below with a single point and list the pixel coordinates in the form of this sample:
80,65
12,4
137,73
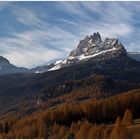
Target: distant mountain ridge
91,47
134,55
7,68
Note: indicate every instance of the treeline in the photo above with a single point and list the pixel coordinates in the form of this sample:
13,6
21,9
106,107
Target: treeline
71,120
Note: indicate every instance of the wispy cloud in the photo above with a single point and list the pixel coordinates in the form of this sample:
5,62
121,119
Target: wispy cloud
36,46
28,17
3,4
25,50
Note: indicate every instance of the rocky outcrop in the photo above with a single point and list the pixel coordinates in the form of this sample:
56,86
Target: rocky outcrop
93,46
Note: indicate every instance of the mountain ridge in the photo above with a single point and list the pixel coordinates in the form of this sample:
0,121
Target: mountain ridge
91,47
7,68
134,55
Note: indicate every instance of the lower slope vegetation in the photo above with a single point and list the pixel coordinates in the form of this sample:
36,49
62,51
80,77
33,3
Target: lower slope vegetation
111,117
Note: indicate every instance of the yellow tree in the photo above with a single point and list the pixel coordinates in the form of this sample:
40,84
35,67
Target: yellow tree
119,131
42,128
73,129
128,118
54,131
84,128
92,132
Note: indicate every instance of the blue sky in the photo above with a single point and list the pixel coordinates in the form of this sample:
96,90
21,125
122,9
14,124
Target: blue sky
33,33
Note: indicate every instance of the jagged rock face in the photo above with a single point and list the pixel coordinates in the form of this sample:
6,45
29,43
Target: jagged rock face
87,44
94,44
93,47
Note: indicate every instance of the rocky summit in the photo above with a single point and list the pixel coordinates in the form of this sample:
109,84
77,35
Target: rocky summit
93,47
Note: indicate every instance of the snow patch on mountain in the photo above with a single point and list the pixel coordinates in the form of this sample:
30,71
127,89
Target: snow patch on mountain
58,62
58,66
81,57
37,72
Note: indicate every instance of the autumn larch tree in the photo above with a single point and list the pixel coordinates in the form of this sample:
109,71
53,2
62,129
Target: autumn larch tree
128,118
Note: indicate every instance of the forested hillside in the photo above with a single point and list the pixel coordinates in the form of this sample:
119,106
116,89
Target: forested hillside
69,120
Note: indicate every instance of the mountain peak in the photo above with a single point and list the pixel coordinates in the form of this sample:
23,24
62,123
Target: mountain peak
3,60
7,68
86,43
93,47
96,36
93,44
